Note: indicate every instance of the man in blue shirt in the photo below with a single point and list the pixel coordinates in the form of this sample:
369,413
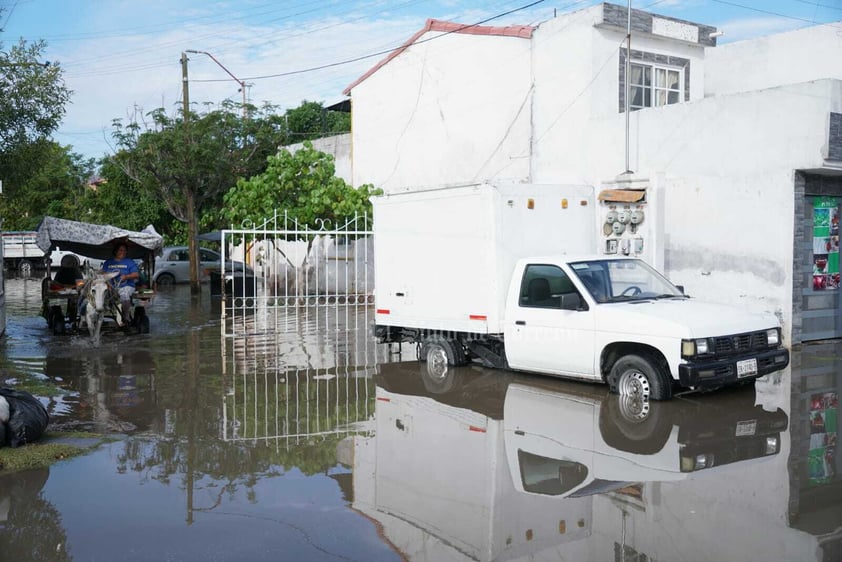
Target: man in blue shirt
127,278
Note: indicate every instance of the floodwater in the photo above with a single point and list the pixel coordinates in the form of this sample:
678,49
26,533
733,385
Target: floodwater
286,434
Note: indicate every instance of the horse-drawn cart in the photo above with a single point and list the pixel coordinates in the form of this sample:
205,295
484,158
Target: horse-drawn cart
63,297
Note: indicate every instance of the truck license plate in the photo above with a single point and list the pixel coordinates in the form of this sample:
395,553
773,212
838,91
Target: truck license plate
747,427
746,368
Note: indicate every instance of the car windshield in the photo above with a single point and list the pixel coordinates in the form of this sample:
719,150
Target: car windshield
623,280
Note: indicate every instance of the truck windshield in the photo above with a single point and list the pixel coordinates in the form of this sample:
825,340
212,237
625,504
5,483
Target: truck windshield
623,280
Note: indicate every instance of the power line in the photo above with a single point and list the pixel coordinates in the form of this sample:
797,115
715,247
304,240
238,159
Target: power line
769,12
381,53
11,11
817,5
119,65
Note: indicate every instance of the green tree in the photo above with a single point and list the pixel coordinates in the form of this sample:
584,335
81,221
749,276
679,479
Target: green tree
32,95
37,173
304,184
190,164
43,178
311,120
119,200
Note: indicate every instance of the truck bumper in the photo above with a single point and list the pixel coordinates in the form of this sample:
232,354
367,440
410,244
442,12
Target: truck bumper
720,372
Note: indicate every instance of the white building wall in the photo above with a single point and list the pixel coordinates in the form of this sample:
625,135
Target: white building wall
577,80
454,109
728,167
338,146
807,54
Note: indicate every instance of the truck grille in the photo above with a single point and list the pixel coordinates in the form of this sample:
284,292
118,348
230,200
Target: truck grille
741,343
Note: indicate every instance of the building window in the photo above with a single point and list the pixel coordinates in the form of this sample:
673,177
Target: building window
653,86
655,80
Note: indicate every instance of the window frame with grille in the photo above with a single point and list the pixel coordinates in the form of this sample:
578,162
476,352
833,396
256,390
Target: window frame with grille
653,92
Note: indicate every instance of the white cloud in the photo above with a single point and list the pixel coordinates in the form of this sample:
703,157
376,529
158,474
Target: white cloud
112,76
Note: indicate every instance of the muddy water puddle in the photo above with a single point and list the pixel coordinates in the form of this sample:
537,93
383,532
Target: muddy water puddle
288,435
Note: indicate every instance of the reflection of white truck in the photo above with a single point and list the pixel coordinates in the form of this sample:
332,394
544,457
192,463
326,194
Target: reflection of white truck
506,275
508,467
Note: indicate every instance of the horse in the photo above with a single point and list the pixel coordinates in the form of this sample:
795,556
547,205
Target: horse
100,300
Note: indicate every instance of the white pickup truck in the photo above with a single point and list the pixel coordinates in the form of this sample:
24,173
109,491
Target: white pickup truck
506,276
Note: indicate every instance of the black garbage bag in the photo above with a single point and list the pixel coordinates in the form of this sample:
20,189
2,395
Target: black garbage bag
28,418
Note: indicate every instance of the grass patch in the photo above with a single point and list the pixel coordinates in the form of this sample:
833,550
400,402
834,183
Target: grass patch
35,385
46,452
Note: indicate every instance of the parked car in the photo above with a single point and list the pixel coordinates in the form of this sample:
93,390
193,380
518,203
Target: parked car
173,266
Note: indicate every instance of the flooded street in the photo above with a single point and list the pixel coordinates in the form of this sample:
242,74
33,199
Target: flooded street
281,435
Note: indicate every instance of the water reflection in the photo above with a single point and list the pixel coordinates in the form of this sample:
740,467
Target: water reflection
503,466
195,449
815,504
293,438
30,526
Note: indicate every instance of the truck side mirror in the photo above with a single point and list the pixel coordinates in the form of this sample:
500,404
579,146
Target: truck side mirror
572,301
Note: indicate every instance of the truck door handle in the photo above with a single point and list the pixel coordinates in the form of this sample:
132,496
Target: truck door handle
520,322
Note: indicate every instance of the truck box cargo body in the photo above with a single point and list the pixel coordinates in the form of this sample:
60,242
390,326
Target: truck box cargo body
20,250
456,248
506,275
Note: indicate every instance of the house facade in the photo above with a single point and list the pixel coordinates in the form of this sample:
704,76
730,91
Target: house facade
733,153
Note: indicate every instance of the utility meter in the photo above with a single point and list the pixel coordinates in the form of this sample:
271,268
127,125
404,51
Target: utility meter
618,228
623,216
611,217
636,216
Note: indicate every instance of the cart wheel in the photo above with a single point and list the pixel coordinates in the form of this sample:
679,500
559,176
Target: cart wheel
55,316
56,319
140,320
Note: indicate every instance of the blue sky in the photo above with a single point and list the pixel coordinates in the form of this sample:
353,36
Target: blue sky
122,56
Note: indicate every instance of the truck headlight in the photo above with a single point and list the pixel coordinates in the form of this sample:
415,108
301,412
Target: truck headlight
773,336
696,462
691,348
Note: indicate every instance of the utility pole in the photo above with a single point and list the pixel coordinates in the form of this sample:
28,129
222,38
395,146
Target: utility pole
627,104
185,90
190,204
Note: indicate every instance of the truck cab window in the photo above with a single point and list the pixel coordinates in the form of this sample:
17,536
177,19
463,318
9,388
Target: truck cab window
542,286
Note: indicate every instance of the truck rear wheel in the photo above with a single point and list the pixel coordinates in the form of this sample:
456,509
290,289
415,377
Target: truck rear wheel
639,377
439,353
25,268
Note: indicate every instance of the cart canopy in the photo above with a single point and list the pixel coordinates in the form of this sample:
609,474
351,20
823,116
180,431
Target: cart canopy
96,240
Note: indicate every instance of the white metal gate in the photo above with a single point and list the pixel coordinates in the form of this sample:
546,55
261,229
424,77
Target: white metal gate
292,269
296,309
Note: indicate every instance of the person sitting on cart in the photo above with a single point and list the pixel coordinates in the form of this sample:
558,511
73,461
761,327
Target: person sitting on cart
69,273
127,278
69,276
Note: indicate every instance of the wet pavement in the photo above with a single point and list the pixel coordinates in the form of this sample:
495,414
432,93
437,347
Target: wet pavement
273,435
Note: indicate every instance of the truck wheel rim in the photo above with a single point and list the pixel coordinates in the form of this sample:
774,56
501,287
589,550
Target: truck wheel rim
634,408
437,363
634,384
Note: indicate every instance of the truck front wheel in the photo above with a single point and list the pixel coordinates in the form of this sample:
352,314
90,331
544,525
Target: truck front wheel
638,377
